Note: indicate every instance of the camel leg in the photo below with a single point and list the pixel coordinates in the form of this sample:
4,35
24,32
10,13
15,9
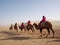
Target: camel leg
52,32
48,32
41,32
33,30
28,31
25,30
21,29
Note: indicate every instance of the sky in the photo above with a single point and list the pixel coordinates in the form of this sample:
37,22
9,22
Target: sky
12,11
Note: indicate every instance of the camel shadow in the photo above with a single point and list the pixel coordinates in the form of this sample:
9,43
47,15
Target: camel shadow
27,38
16,38
8,33
55,39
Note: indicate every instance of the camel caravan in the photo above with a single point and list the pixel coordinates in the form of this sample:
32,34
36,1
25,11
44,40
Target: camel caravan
43,24
21,27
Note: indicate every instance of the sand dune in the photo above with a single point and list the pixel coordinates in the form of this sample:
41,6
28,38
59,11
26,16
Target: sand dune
24,38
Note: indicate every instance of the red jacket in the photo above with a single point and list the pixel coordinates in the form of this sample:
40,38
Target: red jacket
43,19
29,22
22,25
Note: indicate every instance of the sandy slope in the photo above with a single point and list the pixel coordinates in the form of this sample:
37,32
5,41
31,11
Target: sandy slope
21,38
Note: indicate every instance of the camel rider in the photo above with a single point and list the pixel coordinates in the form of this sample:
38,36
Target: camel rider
22,25
43,19
29,23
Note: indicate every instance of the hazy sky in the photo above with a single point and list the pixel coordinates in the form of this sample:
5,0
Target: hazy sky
12,11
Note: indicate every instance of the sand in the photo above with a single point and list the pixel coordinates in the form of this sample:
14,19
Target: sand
24,38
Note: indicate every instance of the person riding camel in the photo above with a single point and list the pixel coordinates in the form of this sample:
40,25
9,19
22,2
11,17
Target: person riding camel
22,25
43,19
29,23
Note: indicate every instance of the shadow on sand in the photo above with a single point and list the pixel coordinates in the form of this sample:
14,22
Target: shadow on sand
16,38
12,36
56,39
8,33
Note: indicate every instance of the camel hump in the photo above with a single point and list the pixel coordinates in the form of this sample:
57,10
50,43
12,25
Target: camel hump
47,23
43,24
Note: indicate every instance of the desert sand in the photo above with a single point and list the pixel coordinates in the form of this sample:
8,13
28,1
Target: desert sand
24,38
